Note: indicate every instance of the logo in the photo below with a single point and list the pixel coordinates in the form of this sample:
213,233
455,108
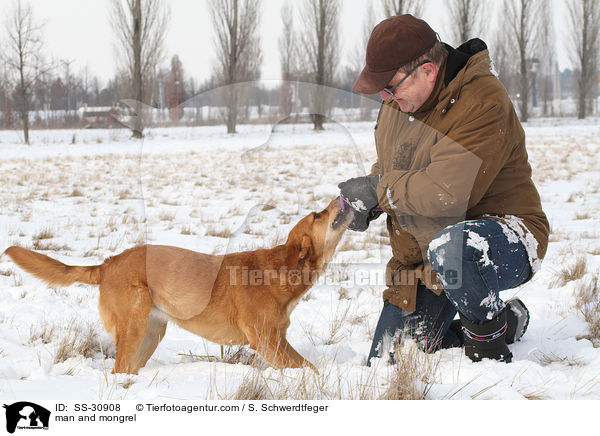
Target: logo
25,415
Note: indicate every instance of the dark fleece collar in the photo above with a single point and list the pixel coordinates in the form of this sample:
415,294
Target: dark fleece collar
458,57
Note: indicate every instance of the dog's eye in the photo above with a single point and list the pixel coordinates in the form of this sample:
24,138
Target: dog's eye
316,215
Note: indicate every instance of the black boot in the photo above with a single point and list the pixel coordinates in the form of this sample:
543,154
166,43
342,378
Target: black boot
517,320
456,328
487,340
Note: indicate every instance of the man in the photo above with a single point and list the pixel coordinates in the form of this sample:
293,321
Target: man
464,217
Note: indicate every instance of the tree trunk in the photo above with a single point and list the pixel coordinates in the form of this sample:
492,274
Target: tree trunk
137,69
25,117
524,77
524,93
25,106
318,117
233,63
581,100
232,111
318,120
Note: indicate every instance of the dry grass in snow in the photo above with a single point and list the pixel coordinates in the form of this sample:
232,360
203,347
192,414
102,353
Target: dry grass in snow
203,190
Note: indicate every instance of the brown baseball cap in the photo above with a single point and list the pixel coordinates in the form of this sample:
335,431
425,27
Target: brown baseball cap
394,42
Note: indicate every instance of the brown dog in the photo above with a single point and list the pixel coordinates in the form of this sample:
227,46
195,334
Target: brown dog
238,298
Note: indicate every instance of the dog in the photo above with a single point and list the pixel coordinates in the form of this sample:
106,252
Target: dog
233,299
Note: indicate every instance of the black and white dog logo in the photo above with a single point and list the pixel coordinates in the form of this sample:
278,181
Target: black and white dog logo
25,415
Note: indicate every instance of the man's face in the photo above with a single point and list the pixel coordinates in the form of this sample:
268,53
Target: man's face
415,90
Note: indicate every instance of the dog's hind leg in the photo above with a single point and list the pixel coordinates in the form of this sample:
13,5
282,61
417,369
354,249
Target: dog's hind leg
131,328
157,325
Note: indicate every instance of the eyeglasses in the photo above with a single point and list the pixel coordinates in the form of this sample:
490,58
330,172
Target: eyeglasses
390,91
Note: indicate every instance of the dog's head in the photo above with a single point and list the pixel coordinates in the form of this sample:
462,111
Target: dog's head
312,241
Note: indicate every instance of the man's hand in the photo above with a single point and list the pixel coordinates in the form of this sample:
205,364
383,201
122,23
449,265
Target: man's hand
360,221
360,193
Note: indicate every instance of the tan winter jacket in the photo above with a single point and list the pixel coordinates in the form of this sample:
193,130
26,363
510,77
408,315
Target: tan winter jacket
460,156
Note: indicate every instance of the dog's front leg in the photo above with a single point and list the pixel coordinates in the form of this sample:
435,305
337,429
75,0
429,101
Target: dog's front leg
294,355
274,347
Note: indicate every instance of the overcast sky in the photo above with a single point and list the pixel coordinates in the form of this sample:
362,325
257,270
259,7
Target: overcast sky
79,30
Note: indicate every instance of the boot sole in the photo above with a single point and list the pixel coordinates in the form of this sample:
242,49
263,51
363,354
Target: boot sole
519,312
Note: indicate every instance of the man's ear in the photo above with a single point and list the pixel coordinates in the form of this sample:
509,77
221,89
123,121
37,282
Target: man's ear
305,247
430,70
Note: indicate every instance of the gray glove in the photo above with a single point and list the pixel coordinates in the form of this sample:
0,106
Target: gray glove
360,194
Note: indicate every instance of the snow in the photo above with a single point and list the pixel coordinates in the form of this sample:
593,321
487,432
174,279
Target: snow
524,235
359,205
435,246
491,302
204,190
477,241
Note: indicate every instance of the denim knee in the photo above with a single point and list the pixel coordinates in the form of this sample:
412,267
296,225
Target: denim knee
475,260
446,253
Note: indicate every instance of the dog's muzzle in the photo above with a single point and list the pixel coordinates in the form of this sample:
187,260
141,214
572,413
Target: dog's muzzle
343,214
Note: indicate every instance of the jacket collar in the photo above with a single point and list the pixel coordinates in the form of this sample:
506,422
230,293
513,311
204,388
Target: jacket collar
453,68
455,62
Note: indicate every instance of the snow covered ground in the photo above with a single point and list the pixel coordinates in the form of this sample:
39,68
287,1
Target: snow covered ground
82,196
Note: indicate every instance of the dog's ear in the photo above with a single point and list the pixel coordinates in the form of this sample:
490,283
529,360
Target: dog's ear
305,247
299,251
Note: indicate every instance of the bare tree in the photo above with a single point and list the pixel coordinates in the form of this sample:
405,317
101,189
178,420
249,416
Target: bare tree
22,56
288,51
140,27
547,56
68,83
522,21
288,54
320,47
358,61
584,20
5,103
399,7
466,17
502,61
239,55
174,90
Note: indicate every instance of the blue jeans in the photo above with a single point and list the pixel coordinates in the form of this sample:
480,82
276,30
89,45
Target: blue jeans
474,260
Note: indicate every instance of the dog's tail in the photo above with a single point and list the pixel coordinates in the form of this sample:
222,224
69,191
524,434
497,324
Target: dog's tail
52,271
